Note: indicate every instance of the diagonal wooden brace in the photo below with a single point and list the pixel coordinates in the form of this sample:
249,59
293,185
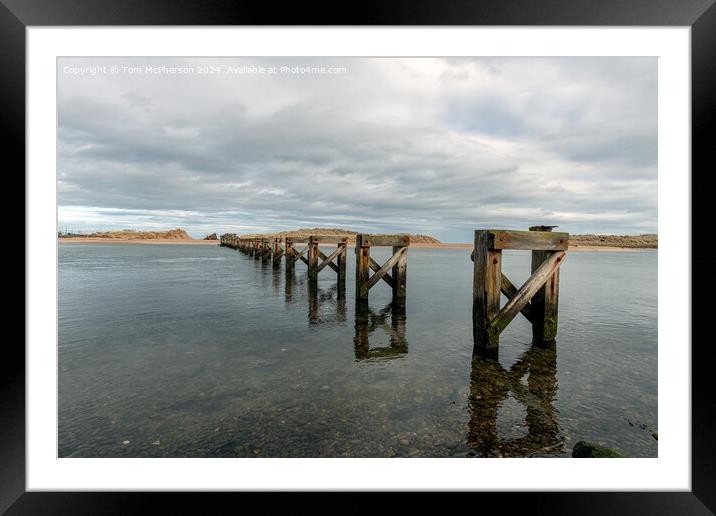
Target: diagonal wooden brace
328,260
383,270
525,293
509,290
299,254
376,267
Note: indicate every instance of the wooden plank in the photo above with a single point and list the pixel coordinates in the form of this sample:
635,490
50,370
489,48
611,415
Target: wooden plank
384,269
303,259
528,240
525,293
385,240
486,288
376,267
328,260
329,239
509,290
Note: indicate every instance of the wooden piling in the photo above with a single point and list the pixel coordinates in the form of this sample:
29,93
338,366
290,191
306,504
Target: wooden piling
487,277
362,271
399,279
289,252
313,259
544,305
342,262
277,253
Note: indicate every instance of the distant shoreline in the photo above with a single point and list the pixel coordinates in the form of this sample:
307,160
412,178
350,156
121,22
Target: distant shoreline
89,240
85,240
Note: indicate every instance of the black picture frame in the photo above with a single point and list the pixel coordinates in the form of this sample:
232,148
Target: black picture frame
700,15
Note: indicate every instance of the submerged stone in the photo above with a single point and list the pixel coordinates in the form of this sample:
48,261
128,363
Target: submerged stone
584,449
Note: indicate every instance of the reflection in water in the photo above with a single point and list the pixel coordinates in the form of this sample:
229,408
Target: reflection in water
290,282
366,321
320,300
491,385
276,281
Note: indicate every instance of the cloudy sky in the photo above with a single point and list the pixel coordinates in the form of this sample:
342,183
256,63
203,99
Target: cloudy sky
420,145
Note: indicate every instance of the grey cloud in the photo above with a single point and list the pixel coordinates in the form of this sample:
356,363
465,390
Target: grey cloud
394,147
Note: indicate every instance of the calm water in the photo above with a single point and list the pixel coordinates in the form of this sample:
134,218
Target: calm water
201,351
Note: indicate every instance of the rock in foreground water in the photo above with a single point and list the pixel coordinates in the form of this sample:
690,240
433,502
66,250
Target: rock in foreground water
584,449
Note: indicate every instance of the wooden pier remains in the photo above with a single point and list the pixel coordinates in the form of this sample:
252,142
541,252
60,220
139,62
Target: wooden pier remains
257,248
542,287
398,263
537,300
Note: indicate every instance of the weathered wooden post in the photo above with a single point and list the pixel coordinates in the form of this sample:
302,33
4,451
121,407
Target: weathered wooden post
488,282
400,270
265,250
342,262
277,253
257,248
545,301
289,252
312,259
485,289
362,271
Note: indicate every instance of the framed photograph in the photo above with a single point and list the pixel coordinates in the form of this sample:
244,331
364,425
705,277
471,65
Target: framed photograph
416,250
